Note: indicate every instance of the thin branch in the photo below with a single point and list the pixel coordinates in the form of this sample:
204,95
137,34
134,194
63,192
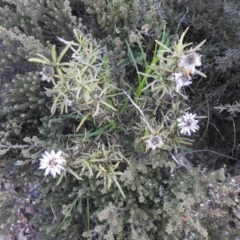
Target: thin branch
141,112
223,155
234,135
181,20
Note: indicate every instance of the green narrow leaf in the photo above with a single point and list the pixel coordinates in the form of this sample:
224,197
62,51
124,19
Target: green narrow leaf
54,54
63,52
163,46
108,105
143,54
109,182
130,54
200,73
73,173
125,105
82,122
37,60
68,214
119,187
60,178
90,170
198,46
179,46
183,142
91,134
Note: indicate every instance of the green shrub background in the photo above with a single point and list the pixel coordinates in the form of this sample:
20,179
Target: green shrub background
163,200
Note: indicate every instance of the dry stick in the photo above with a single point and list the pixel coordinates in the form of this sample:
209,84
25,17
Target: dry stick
55,217
177,160
223,155
141,112
234,137
181,20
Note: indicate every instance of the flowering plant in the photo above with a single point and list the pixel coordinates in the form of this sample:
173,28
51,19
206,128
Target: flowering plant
187,123
52,163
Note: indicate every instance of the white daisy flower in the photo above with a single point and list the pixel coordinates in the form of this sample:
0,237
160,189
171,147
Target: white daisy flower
154,142
187,123
190,61
52,163
180,79
47,73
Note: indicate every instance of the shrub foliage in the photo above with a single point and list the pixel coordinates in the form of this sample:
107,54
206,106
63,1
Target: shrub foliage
100,82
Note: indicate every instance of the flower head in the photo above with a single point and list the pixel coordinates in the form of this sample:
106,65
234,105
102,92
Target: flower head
52,163
47,73
155,141
190,61
187,123
180,79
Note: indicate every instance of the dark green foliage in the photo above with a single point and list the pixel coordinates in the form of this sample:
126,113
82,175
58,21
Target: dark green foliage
42,19
121,21
164,200
23,101
218,22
